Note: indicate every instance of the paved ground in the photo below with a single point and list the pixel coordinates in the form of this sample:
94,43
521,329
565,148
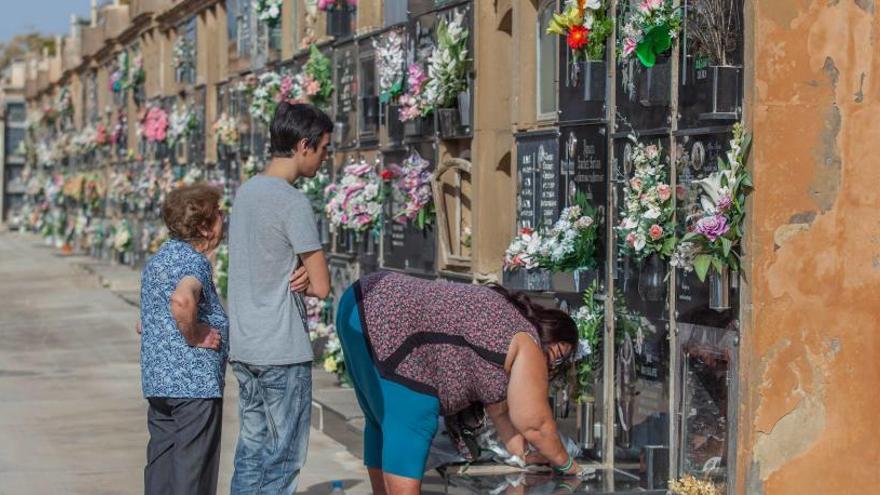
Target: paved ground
72,419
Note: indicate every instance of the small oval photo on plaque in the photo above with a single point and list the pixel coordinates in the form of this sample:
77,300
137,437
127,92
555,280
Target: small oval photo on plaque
572,192
698,156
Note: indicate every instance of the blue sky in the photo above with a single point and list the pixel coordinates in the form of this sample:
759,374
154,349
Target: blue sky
45,16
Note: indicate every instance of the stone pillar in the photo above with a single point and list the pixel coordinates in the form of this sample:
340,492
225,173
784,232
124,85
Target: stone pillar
809,348
494,186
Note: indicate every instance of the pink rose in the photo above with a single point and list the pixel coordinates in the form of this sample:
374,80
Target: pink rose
631,239
664,191
313,87
656,231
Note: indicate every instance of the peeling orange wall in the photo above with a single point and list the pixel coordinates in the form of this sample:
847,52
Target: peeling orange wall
810,416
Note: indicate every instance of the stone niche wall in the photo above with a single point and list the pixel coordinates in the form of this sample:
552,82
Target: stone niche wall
810,341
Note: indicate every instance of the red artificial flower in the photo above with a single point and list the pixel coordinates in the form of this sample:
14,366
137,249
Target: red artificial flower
578,37
387,175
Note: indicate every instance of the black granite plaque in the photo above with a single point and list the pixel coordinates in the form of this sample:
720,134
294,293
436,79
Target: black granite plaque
583,162
538,197
346,83
368,97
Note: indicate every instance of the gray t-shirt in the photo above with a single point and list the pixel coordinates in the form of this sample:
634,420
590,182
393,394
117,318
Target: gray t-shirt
271,223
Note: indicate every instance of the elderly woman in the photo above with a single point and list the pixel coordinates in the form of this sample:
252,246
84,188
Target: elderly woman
183,347
418,349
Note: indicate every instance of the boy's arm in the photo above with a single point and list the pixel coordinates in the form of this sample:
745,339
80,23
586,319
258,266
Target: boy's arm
315,264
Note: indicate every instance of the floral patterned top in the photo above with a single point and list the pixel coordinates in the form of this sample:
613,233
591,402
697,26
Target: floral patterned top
169,366
445,339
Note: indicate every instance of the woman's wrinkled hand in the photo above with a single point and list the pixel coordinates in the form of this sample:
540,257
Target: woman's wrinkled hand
205,337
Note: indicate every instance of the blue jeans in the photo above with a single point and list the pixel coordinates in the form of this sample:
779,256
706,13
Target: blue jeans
275,405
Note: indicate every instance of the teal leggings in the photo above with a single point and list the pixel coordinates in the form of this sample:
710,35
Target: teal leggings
400,422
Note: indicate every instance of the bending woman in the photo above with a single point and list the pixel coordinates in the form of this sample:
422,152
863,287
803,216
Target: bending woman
418,349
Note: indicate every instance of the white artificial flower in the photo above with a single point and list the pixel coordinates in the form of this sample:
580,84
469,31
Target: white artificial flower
640,242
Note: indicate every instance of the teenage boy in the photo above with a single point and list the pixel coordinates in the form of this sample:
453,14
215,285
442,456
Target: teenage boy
275,256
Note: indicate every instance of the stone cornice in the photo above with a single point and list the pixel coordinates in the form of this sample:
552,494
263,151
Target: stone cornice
171,17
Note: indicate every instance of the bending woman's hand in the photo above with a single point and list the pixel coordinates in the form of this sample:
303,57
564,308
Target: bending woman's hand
527,403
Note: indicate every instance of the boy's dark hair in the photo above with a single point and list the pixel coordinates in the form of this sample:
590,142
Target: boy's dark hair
295,122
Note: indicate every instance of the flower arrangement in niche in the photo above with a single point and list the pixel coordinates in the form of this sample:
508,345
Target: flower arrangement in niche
136,74
411,191
449,64
355,201
269,11
317,313
118,78
569,245
331,5
63,106
182,123
647,227
716,229
264,96
221,269
585,27
590,321
417,101
226,130
314,187
648,30
317,80
182,53
689,485
334,361
155,125
252,166
390,65
122,236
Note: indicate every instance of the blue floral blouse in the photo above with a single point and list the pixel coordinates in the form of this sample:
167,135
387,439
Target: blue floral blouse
169,366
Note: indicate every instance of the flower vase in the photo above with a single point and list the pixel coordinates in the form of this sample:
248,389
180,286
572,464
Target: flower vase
586,418
652,278
464,108
722,84
655,83
393,125
719,289
450,121
369,248
594,76
339,22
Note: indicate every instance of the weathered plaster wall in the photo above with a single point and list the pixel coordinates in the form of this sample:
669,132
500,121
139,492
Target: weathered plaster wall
810,349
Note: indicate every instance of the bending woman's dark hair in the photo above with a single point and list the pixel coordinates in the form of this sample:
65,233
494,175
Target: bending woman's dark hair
553,325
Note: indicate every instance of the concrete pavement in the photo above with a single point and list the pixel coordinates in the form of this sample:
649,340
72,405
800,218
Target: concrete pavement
72,419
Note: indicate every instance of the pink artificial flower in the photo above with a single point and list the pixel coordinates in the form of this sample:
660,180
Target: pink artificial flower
645,7
312,87
680,192
636,184
631,239
652,151
285,88
724,203
324,5
629,46
656,231
712,227
664,191
655,4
